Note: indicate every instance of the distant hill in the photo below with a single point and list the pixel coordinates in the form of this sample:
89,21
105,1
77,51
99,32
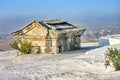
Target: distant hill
6,36
11,24
5,44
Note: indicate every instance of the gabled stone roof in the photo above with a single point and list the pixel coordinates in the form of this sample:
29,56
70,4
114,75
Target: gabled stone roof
23,30
57,26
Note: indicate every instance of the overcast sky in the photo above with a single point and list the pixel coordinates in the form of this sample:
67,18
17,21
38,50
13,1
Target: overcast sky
16,13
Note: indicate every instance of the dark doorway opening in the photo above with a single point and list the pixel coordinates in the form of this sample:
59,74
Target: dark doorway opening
60,48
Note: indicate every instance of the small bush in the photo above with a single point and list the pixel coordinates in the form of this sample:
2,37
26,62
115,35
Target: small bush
113,56
23,46
38,50
15,45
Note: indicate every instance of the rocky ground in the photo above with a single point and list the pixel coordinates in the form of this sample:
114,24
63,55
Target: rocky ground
85,64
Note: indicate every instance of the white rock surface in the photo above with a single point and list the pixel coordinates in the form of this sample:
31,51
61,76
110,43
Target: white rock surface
72,66
109,40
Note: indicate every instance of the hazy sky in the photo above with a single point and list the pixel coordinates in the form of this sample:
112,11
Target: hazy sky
16,13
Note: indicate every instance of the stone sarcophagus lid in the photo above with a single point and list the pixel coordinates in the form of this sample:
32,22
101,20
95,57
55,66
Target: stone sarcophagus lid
52,36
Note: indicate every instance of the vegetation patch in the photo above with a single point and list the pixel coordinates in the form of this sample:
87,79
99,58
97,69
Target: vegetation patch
22,45
112,55
38,50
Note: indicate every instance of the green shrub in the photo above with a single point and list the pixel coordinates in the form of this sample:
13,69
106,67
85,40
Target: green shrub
113,56
38,50
14,45
23,46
